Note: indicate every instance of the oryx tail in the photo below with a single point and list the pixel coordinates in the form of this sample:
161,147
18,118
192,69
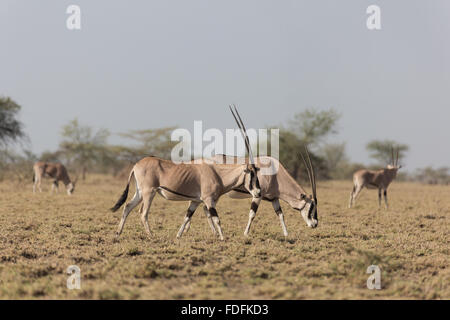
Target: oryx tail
124,195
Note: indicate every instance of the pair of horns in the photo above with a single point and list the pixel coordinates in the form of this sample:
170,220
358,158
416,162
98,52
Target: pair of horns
241,126
394,163
311,173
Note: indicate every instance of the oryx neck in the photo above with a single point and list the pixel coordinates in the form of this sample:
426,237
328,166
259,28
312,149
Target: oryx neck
290,190
232,175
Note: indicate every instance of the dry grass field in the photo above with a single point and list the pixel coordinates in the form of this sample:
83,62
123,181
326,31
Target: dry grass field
42,234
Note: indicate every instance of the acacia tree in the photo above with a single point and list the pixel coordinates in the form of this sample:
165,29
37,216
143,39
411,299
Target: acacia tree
307,128
82,145
312,127
11,129
381,150
155,142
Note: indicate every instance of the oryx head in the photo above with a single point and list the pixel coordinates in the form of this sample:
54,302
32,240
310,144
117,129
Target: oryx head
251,181
308,208
394,164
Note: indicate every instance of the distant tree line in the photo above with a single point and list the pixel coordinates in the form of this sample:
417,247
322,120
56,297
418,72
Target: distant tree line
85,150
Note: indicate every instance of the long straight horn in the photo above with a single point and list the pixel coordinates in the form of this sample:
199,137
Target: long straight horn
392,151
313,174
396,161
310,175
241,126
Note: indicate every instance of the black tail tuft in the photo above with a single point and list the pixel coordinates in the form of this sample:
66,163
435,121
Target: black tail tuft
34,178
121,200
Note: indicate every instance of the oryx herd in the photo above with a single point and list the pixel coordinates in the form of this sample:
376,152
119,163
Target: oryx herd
204,181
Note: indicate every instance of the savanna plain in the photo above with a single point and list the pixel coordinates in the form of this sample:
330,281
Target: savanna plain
42,234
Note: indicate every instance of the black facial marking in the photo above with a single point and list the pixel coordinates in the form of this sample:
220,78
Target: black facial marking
311,207
257,181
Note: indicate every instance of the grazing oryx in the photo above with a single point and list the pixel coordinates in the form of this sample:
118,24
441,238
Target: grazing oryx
279,185
379,179
55,171
197,183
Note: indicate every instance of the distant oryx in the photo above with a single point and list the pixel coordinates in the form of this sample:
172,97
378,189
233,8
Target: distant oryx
55,171
278,186
379,179
197,183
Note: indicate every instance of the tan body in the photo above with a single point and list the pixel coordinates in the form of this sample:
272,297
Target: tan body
380,179
197,183
274,187
55,171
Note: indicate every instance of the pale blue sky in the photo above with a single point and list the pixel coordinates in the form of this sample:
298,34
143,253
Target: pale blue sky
147,64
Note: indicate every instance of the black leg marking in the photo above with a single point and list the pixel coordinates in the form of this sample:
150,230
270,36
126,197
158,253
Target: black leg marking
276,206
213,212
254,207
216,221
187,219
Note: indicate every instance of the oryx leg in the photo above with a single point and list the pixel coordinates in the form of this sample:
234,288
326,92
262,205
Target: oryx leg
385,199
188,225
252,214
187,219
208,217
54,186
127,209
379,198
214,216
350,202
37,183
279,212
354,195
145,209
210,221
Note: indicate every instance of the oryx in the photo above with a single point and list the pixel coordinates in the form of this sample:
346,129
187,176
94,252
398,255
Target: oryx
276,186
55,171
370,179
198,183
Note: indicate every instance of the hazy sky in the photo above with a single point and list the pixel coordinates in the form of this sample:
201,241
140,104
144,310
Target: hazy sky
148,64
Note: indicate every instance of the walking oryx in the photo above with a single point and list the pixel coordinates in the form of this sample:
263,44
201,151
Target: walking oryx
379,179
56,171
197,183
279,185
